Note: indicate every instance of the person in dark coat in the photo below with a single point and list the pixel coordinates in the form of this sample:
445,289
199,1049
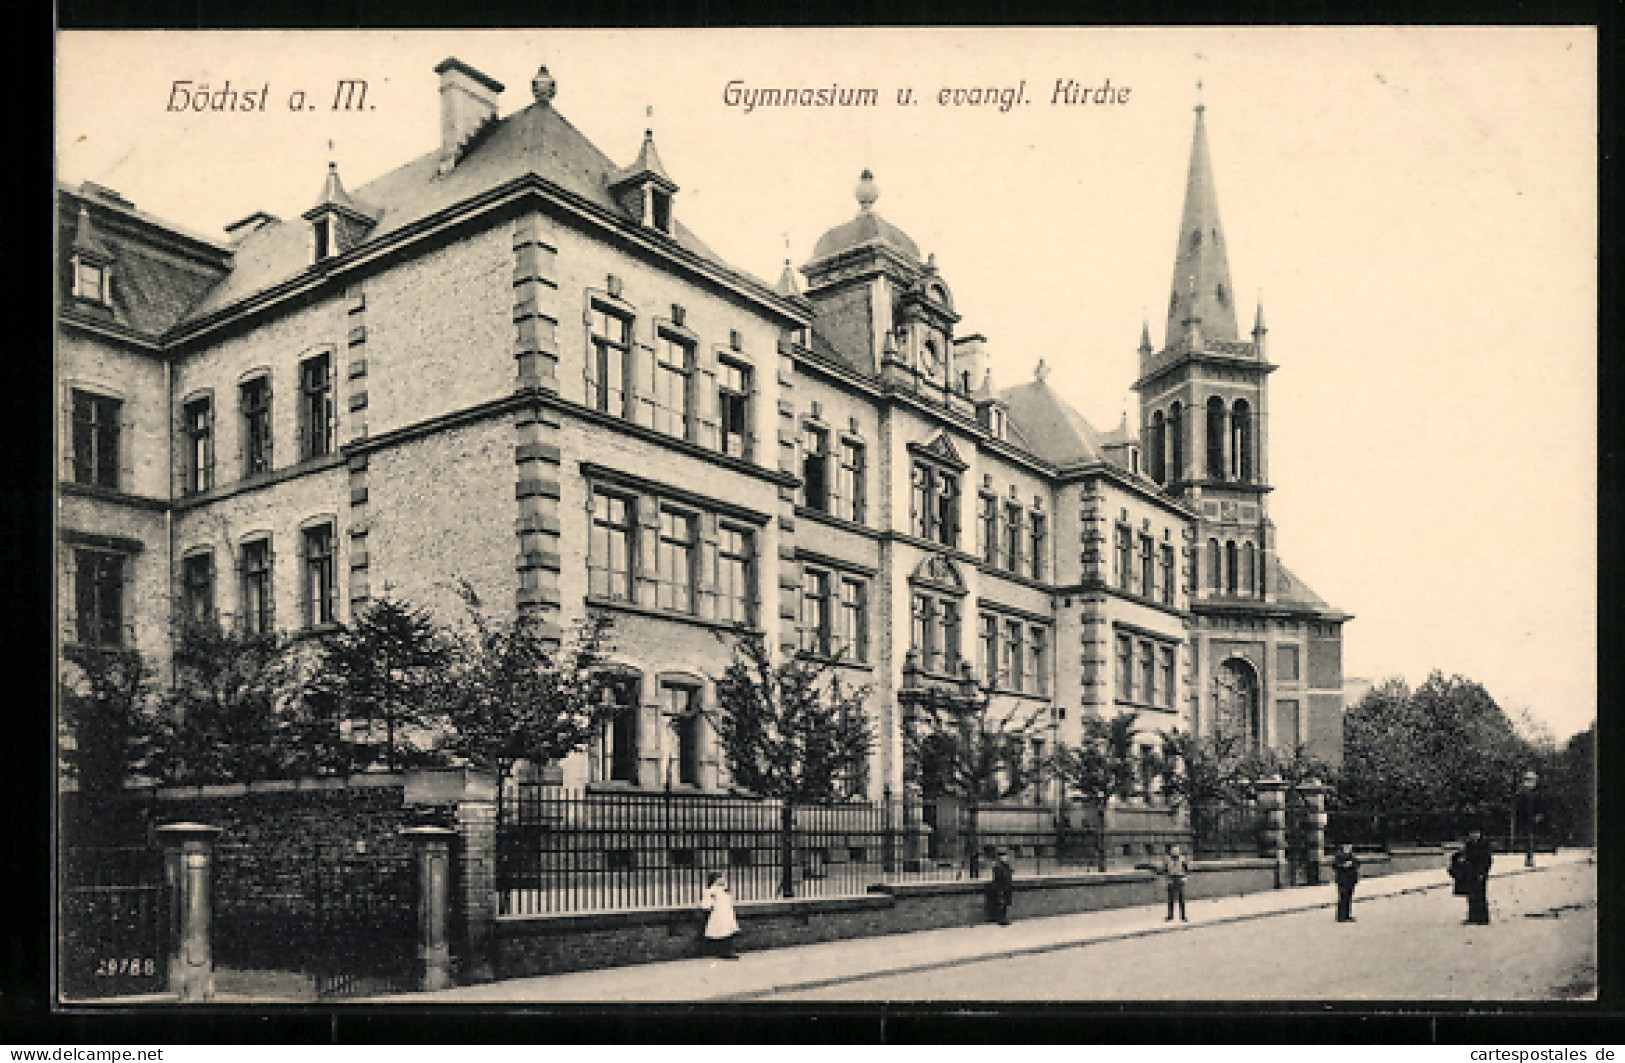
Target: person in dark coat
1001,891
1475,869
1176,867
1346,870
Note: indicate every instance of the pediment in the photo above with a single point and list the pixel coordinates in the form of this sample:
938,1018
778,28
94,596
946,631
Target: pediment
941,450
938,572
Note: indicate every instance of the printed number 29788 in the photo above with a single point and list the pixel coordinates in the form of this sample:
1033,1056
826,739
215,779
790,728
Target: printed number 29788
129,965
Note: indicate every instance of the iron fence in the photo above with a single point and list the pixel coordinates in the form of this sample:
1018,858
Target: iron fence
1382,830
1227,830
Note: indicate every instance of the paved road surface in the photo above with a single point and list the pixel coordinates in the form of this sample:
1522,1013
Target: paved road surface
1541,943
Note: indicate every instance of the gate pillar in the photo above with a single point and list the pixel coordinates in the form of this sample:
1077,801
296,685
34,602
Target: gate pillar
433,850
1272,803
188,849
1314,833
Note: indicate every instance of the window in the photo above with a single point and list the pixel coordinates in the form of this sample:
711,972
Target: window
852,622
850,498
258,613
1124,551
321,586
1166,564
682,708
197,588
1148,571
733,400
89,281
815,619
1165,688
199,418
936,633
987,649
1038,658
95,439
1012,537
1286,664
668,385
934,504
1230,567
1241,441
674,562
1147,770
1014,670
1125,668
1037,532
618,741
1248,584
1214,564
661,202
607,362
1215,438
316,406
1147,673
98,598
815,468
609,550
322,239
256,407
736,575
1157,441
1176,444
1039,785
987,528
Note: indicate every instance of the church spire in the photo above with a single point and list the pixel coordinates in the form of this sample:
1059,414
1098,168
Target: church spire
1201,289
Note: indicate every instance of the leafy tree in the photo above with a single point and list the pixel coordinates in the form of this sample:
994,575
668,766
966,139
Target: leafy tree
960,748
108,723
387,671
222,715
791,730
1101,766
519,696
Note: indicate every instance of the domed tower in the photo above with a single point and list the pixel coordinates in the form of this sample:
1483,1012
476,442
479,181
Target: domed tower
879,308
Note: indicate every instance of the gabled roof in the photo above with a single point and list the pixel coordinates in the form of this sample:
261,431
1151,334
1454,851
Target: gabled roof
535,140
1051,429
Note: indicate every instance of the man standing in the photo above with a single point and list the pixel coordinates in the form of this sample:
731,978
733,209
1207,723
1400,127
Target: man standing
1475,864
1176,867
1001,891
1346,869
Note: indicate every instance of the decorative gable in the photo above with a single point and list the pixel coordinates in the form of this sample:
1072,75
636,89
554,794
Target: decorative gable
941,450
937,572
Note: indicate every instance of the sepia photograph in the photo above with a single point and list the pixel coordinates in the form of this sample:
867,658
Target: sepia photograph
583,517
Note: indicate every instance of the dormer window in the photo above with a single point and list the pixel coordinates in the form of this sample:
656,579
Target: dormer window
322,244
660,207
90,281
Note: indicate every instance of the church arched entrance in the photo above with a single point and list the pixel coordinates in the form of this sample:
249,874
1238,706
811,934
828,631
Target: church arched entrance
1237,711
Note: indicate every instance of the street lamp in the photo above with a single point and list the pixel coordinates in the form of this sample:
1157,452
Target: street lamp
1530,780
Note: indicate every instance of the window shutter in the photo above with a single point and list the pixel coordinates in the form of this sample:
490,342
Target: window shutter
126,448
270,587
208,448
270,421
124,608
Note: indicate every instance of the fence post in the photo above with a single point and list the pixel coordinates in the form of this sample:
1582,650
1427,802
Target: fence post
1272,802
187,851
433,848
477,833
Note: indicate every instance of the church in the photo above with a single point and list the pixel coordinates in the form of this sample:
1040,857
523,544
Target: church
508,363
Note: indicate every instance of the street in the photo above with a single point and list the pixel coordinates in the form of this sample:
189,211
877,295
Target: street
1540,944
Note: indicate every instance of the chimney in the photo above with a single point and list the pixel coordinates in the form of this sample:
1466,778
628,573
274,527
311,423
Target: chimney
468,100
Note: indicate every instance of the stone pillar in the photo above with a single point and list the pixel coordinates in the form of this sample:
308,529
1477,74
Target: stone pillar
433,848
187,851
1314,801
477,852
1272,803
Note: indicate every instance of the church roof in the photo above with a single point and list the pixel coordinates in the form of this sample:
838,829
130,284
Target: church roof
536,140
1201,284
1289,589
1051,428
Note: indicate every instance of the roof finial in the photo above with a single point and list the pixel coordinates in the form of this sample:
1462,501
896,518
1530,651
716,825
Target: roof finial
1041,371
543,87
867,191
1200,106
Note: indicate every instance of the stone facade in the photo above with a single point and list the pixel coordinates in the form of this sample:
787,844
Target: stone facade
502,374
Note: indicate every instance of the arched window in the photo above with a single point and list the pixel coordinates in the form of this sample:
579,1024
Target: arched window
1230,568
1213,564
1248,585
1241,441
1155,444
1215,438
1176,429
1236,702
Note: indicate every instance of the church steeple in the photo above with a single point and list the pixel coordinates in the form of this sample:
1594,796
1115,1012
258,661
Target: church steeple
1201,292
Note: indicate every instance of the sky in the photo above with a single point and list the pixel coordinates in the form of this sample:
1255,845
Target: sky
1415,207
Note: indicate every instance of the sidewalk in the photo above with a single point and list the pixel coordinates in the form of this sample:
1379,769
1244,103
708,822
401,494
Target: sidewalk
809,966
